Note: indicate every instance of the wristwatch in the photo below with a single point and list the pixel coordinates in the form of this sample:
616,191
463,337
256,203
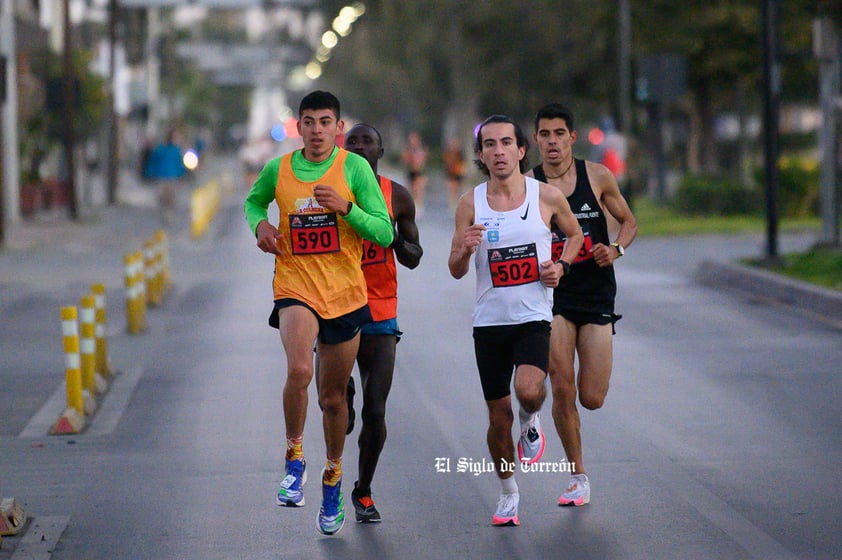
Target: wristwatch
565,266
620,250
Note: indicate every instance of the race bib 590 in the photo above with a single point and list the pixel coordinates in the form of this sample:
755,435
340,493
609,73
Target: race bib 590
314,233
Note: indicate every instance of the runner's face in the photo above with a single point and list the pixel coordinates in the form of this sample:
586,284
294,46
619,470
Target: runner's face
554,141
500,152
319,129
362,140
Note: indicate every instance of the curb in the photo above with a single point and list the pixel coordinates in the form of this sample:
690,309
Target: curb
821,302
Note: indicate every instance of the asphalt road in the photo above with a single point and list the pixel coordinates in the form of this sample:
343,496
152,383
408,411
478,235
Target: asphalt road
720,437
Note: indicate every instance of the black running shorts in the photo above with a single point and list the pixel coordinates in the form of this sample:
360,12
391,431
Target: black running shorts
331,331
500,349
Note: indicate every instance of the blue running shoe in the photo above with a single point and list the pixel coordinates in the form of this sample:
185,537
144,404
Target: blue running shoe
291,492
331,516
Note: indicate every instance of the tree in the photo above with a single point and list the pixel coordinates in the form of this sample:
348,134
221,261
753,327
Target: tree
416,70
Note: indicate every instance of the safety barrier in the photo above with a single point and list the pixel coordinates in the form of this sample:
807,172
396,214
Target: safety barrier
103,364
152,273
87,353
147,279
12,517
156,271
72,419
164,258
135,292
87,366
204,204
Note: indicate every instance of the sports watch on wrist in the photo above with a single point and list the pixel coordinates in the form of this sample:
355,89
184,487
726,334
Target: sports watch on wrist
565,266
620,250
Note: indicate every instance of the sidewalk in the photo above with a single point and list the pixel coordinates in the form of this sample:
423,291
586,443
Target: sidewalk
136,206
55,226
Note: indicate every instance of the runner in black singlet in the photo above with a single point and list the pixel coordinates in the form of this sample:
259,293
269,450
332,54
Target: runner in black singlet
583,302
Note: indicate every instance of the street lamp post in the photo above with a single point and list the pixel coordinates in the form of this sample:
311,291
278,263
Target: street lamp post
624,108
113,146
69,102
771,106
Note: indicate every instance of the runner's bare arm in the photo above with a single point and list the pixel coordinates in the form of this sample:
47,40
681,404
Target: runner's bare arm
407,244
563,217
466,237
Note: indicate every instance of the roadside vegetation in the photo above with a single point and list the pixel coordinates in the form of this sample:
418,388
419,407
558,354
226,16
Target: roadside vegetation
819,266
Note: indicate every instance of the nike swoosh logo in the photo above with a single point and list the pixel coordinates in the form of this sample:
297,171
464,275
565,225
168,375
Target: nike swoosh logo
525,212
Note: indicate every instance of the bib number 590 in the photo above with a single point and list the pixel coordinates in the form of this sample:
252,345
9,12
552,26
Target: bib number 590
314,233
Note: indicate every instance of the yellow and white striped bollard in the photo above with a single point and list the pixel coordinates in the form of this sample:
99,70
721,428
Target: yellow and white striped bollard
135,298
72,371
150,271
164,252
142,283
102,365
87,341
92,381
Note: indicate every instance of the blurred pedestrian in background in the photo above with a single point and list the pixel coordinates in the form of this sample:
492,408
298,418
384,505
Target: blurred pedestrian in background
415,159
454,169
165,166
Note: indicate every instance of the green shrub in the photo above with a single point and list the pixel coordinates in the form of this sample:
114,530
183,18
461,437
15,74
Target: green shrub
798,187
711,196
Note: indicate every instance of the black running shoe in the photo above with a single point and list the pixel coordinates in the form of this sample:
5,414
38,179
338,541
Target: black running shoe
349,395
364,506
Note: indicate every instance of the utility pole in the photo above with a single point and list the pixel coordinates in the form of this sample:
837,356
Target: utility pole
113,143
771,107
10,181
69,103
826,49
624,61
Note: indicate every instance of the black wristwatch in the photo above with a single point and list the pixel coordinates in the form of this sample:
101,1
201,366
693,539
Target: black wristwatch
620,249
564,265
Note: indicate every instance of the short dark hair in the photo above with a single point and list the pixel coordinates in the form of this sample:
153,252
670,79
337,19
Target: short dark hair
374,128
318,99
555,111
520,138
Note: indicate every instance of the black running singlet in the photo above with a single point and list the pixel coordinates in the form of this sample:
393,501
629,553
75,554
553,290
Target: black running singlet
588,288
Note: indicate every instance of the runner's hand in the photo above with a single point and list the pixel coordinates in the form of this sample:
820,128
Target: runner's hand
551,273
268,237
473,237
604,255
328,198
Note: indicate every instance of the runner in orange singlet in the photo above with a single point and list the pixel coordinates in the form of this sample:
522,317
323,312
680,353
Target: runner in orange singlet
376,355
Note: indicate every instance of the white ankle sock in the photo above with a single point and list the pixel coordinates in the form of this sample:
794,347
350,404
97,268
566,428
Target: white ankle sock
509,485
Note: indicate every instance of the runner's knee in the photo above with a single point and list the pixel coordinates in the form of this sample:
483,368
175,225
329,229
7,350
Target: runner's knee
374,413
332,400
592,401
532,398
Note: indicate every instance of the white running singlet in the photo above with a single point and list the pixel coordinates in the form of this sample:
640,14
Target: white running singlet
508,261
